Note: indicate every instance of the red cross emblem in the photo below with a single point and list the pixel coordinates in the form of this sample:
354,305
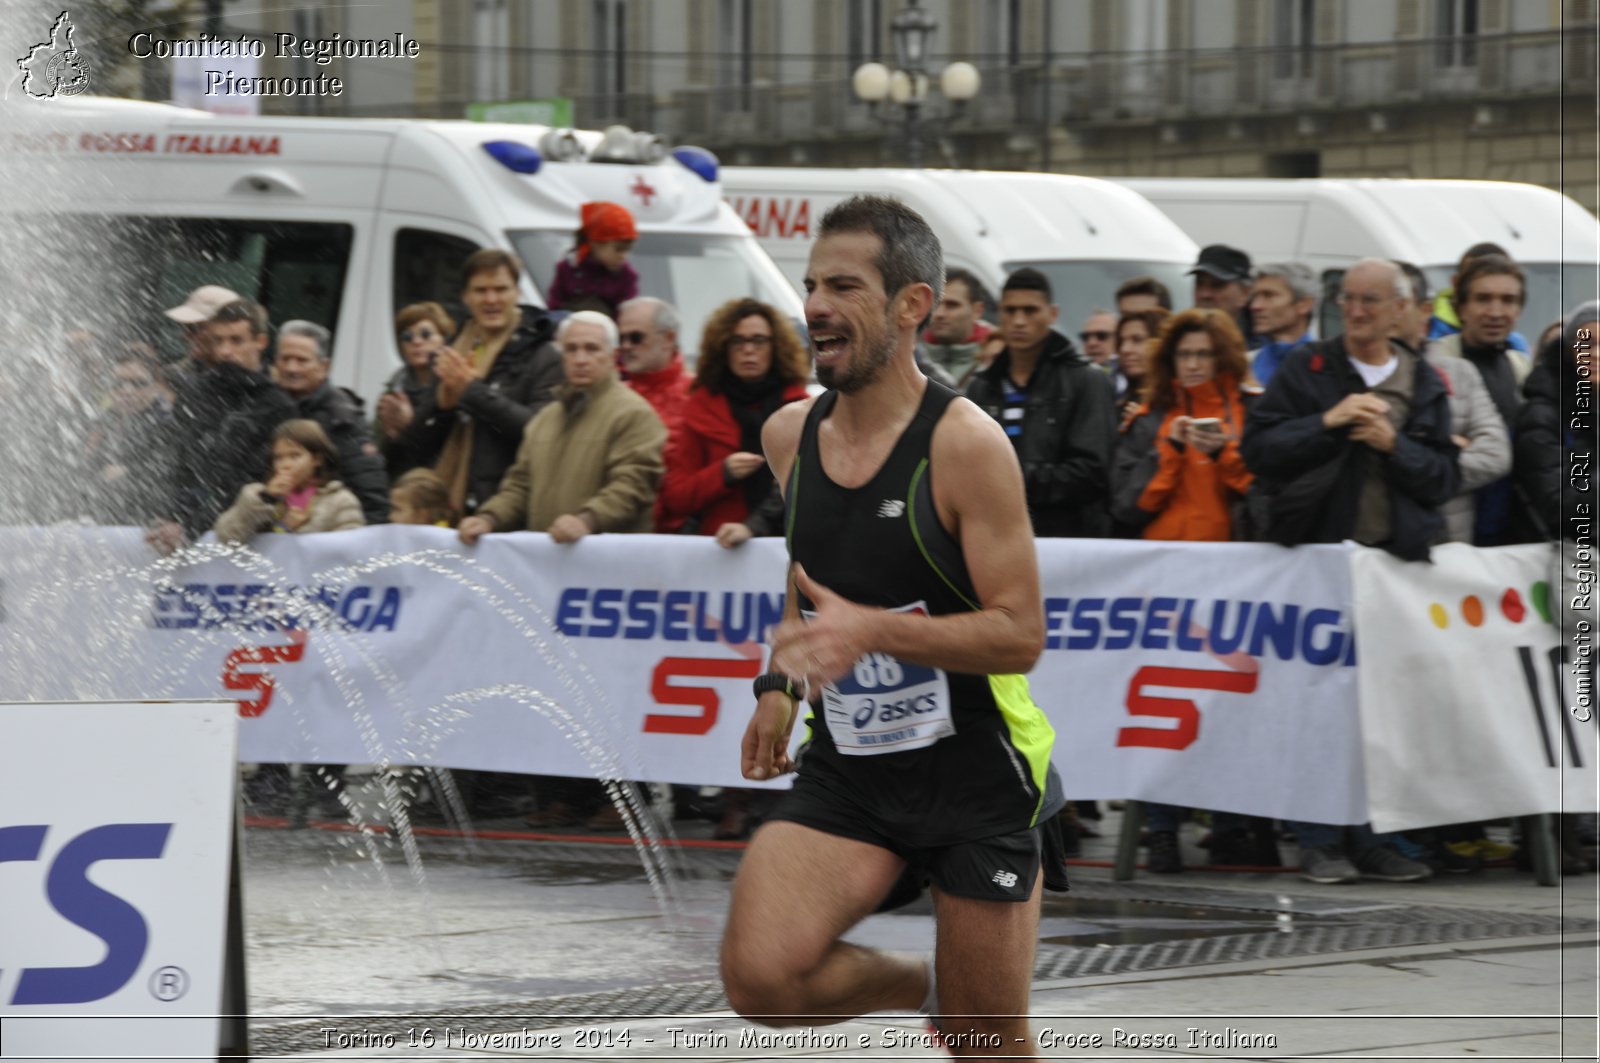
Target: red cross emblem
641,189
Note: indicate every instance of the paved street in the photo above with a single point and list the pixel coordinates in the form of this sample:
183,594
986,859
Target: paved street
520,948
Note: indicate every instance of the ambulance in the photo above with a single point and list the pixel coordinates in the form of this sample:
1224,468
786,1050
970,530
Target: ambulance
345,221
1329,223
1085,234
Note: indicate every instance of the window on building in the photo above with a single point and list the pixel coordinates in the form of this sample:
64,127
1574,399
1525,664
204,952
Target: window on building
491,62
734,47
1294,27
1456,24
609,45
1014,33
864,32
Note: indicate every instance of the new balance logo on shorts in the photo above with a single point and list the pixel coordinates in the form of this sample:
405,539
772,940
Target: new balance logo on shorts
1005,878
892,507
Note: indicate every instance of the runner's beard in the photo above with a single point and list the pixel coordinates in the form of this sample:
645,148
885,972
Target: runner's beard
864,368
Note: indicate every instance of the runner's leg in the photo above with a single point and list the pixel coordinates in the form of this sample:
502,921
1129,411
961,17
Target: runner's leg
985,968
797,891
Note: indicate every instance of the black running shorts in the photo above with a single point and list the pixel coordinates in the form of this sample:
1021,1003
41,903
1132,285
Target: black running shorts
999,868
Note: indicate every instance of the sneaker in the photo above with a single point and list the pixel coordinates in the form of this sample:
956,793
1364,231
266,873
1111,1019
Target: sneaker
1164,857
1327,867
1446,861
1483,848
1383,864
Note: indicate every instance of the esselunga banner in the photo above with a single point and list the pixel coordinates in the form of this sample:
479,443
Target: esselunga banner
1215,675
1469,707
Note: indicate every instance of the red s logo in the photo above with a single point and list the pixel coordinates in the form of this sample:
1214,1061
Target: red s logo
261,681
1182,710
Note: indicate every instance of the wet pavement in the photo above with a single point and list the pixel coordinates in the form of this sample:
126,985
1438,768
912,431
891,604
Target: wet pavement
509,933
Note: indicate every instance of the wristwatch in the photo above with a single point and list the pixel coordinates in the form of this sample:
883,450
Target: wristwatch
774,681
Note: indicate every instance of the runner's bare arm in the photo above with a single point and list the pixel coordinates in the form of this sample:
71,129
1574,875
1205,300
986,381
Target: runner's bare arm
978,490
780,439
764,752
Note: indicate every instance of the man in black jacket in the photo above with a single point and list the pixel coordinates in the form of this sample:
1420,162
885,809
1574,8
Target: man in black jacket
223,422
1056,407
500,370
301,369
1352,441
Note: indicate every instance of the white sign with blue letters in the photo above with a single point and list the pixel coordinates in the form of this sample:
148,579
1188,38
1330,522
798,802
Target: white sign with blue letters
115,827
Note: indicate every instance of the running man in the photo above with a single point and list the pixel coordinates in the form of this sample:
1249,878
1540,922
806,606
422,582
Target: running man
914,566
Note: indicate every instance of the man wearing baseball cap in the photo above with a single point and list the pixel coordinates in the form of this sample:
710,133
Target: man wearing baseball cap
201,306
1222,282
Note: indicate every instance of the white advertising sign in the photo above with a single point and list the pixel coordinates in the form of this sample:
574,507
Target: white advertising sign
1467,703
1218,675
116,824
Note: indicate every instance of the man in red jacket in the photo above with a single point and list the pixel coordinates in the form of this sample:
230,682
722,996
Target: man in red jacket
647,351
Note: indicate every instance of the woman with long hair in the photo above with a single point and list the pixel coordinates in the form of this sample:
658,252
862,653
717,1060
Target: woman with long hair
1178,475
716,481
1135,332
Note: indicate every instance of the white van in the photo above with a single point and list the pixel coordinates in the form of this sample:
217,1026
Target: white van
344,221
1329,223
1085,234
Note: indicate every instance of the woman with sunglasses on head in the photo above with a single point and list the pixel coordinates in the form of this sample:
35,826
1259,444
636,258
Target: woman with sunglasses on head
421,331
717,481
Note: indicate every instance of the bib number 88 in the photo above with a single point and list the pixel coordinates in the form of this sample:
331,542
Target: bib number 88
878,670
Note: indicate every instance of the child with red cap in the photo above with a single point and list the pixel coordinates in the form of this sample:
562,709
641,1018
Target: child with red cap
597,275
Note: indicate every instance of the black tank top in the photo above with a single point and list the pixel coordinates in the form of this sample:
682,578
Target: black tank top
934,758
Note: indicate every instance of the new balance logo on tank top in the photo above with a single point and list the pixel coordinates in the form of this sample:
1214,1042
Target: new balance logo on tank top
933,757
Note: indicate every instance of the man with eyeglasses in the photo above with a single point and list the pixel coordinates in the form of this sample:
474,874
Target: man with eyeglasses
1099,338
1352,440
647,351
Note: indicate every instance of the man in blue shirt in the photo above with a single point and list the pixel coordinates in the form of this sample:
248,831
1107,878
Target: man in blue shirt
1282,303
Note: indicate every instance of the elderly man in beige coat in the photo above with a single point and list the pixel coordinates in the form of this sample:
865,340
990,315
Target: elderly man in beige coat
590,461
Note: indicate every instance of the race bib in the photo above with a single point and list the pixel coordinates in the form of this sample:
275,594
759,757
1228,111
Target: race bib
886,705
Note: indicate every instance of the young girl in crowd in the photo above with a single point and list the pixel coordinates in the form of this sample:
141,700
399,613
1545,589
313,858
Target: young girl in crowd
420,497
597,275
300,494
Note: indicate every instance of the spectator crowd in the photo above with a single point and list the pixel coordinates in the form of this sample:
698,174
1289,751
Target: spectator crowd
1427,419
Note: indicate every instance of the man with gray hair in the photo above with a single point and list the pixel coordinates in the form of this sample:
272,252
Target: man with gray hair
647,349
1283,300
1352,440
591,461
305,352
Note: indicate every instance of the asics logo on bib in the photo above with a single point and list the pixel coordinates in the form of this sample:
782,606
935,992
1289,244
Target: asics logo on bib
1005,878
890,711
892,507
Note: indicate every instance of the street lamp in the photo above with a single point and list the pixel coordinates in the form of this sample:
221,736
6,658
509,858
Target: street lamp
906,87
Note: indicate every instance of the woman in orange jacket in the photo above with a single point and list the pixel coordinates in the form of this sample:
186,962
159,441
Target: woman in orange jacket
1178,474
